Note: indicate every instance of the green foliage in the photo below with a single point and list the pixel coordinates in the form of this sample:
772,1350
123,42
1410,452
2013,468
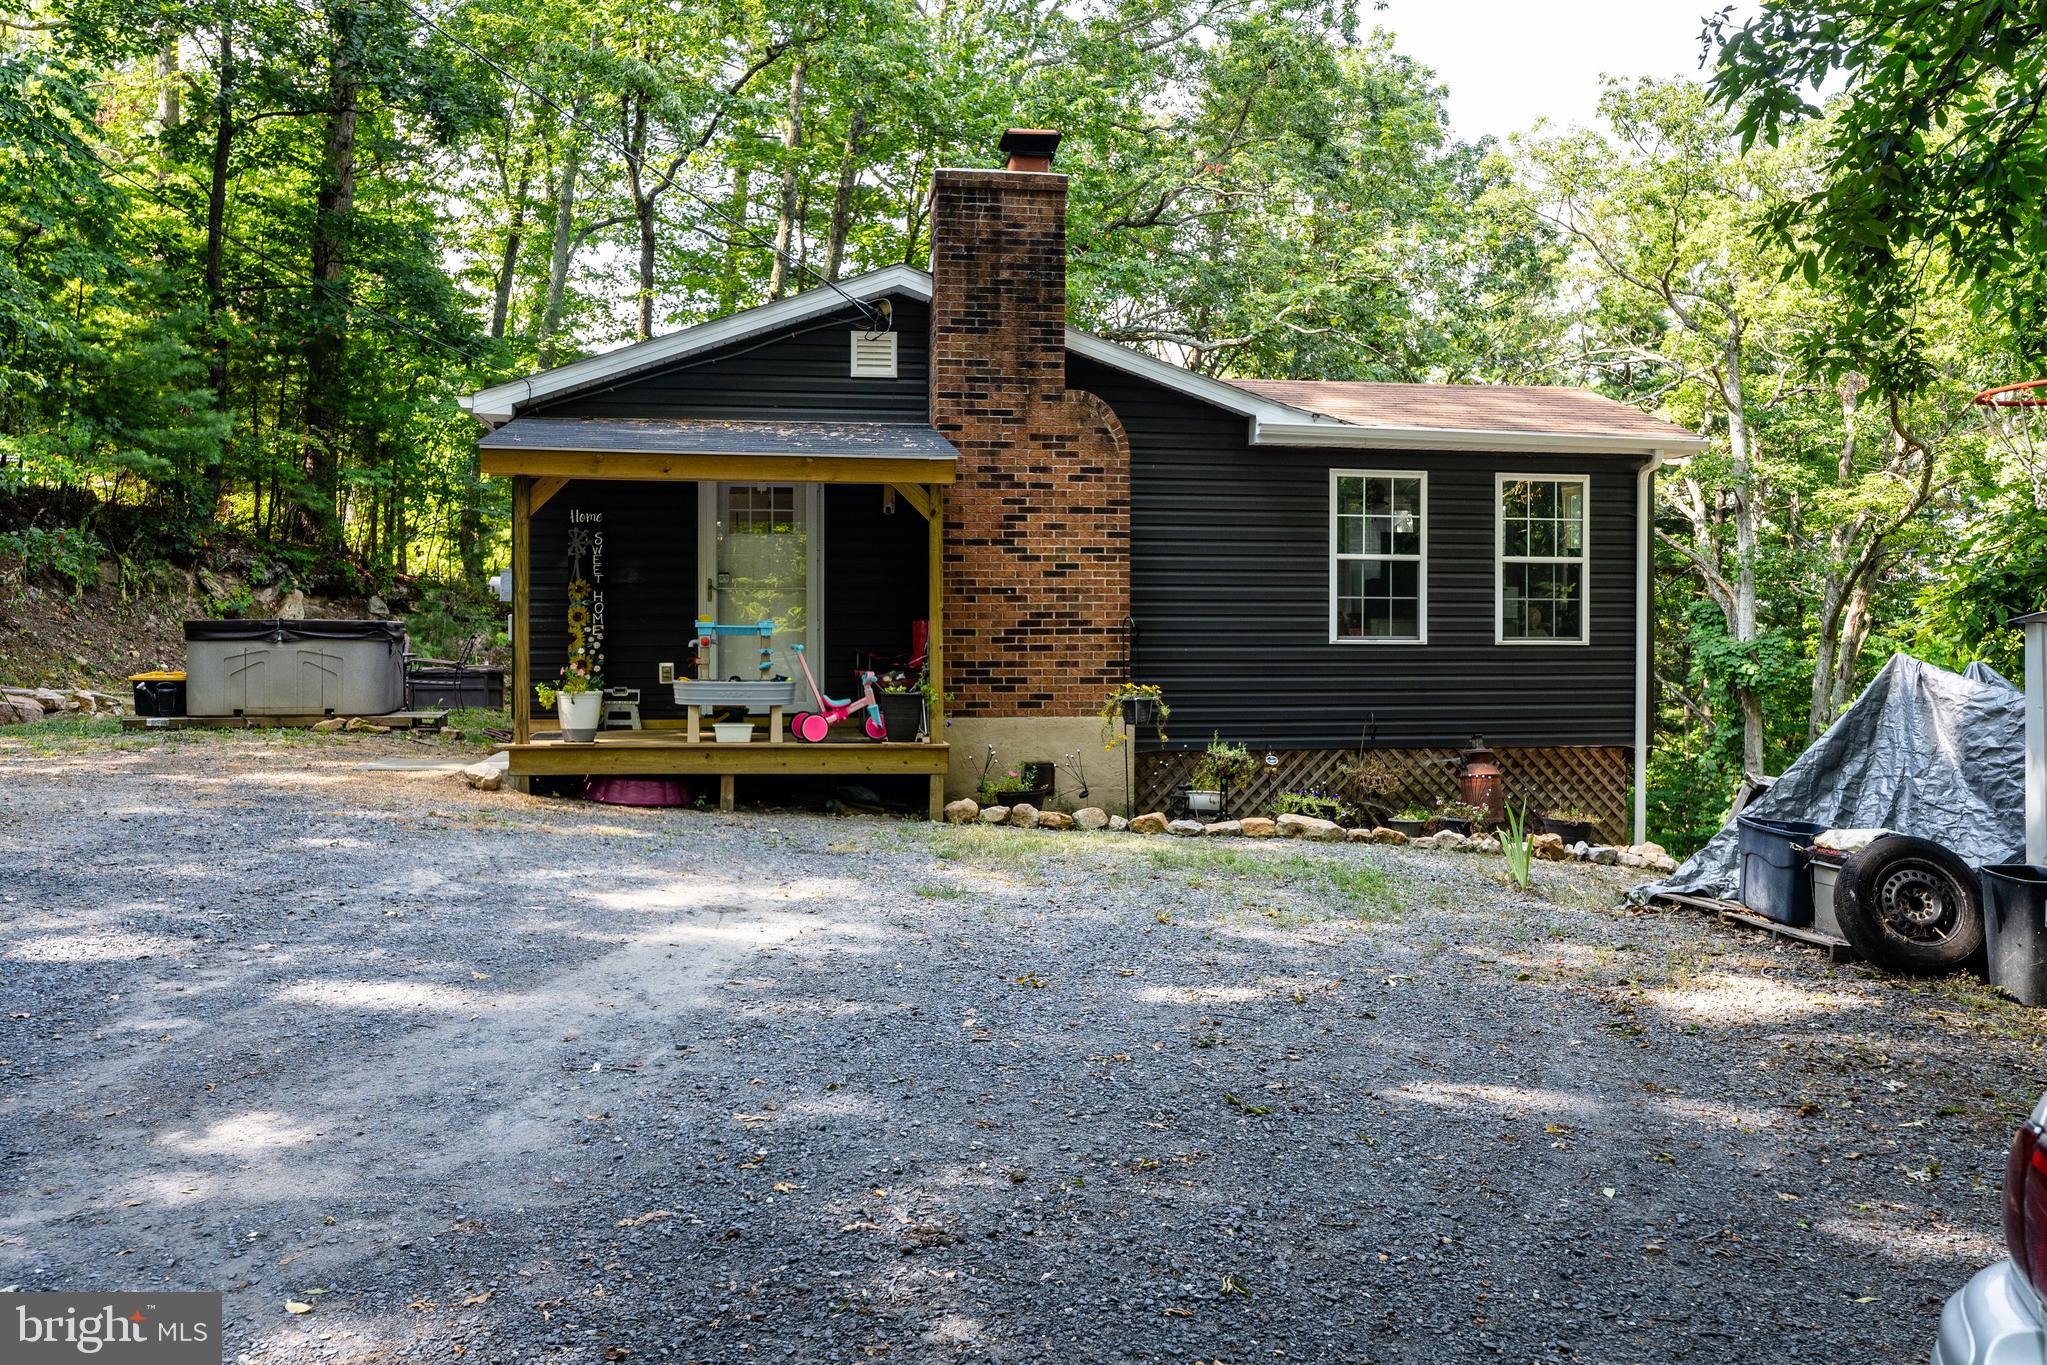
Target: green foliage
1320,805
70,555
1516,844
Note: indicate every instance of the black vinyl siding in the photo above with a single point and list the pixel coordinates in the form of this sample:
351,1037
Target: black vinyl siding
650,569
876,580
1230,593
874,568
804,374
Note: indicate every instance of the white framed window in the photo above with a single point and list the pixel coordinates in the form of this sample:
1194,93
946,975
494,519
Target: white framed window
1542,566
1378,556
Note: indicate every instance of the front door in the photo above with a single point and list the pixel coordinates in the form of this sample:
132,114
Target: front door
761,552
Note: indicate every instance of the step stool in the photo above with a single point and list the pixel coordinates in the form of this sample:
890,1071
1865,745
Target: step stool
621,709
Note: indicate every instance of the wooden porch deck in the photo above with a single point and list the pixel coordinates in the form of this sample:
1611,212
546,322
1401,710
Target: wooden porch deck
670,753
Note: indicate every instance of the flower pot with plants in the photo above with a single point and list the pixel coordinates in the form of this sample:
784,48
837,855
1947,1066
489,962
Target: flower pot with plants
901,698
1134,705
1459,817
578,701
1411,820
1316,804
1571,825
1218,769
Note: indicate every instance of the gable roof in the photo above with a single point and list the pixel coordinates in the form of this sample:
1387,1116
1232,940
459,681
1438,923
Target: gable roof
1280,412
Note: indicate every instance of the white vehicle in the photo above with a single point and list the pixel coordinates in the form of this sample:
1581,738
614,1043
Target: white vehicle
1998,1317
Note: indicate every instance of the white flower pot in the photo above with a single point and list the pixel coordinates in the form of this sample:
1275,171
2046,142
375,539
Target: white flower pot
1204,803
580,714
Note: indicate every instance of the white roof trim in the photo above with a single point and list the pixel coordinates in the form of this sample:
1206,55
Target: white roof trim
502,402
1272,423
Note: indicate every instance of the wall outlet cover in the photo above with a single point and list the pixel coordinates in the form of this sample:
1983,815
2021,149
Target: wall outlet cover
668,673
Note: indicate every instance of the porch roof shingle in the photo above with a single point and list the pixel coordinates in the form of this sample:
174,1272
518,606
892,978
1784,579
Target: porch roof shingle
672,436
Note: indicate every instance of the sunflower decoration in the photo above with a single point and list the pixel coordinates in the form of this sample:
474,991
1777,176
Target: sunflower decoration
579,589
579,616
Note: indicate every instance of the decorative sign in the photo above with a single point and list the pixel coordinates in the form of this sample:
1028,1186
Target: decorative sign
586,591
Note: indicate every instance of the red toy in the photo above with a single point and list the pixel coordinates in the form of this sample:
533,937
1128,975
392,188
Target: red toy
814,727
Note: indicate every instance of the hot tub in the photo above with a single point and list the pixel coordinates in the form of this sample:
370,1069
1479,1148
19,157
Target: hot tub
294,668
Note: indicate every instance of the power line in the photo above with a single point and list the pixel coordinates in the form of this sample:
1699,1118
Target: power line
737,225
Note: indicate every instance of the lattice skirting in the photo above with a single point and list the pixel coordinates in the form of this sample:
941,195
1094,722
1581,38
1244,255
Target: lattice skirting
1595,779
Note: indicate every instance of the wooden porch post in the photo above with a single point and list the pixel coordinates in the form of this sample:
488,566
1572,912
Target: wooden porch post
522,608
934,639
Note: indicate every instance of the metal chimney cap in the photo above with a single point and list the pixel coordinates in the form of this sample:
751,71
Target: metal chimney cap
1030,149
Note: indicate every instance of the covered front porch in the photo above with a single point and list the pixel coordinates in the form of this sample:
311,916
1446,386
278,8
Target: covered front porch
626,532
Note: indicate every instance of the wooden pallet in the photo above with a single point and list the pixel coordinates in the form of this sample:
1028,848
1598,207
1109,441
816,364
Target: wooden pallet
396,720
1836,949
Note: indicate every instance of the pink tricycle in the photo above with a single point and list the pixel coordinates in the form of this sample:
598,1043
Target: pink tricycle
814,727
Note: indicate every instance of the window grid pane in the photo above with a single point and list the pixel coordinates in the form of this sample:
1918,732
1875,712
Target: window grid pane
1376,569
1542,559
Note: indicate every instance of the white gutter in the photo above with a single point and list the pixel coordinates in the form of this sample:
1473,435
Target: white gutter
2035,627
1465,438
1645,609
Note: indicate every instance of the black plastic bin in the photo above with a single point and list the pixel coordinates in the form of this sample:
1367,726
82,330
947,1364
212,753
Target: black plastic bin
2015,929
159,696
1776,874
453,689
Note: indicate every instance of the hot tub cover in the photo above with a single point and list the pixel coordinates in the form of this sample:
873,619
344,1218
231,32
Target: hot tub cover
1923,751
280,631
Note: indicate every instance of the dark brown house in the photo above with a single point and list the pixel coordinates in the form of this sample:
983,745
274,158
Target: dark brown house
1303,566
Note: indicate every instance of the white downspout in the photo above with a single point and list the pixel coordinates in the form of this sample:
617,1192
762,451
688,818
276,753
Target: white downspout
2035,627
1645,601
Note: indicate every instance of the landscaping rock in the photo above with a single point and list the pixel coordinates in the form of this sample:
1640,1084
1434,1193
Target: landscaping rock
1091,817
379,608
489,775
1151,822
994,815
1381,834
19,710
1023,815
1308,827
293,607
1224,829
1358,836
331,725
1054,819
962,812
1548,848
356,725
1651,850
1117,824
1482,843
1447,839
1186,829
1257,827
1605,857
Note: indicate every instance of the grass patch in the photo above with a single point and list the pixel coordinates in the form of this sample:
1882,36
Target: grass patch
59,732
938,891
1341,883
1013,853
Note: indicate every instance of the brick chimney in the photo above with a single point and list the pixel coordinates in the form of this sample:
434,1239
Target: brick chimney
1037,529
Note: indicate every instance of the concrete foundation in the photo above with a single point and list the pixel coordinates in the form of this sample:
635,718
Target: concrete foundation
1036,739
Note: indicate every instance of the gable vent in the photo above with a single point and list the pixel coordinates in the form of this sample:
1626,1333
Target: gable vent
874,355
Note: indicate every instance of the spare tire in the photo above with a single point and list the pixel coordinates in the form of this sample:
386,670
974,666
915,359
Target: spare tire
1908,905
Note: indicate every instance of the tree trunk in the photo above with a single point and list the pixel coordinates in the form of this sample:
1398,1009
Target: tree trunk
729,287
169,101
1834,585
1742,617
642,192
216,238
785,219
564,239
334,205
508,265
842,202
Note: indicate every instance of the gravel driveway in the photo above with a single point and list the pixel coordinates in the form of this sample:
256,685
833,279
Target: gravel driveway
516,1080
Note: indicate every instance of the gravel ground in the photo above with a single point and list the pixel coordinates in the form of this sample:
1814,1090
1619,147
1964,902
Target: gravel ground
519,1080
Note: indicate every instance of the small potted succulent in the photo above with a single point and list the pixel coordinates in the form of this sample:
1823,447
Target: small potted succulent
1133,705
1572,825
1215,772
578,701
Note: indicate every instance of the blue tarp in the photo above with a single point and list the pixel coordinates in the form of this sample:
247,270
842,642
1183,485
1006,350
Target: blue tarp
1923,751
